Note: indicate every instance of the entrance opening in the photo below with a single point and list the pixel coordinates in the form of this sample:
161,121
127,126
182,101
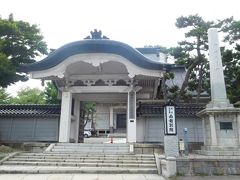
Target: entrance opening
121,121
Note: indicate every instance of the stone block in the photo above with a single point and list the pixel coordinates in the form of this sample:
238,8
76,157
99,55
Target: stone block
138,150
158,150
170,167
148,151
236,153
226,153
171,147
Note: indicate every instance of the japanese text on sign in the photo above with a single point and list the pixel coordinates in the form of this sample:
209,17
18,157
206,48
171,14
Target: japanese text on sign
169,118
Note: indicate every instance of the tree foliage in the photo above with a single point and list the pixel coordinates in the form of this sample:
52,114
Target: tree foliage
5,98
29,96
193,54
89,108
50,94
231,58
20,43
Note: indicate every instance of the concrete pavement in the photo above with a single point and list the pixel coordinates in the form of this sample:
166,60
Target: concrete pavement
209,178
80,177
106,177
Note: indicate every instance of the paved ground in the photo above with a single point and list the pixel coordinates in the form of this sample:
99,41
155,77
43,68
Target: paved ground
105,177
80,177
210,178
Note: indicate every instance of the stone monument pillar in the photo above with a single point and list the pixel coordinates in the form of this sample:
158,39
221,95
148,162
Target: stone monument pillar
220,118
171,148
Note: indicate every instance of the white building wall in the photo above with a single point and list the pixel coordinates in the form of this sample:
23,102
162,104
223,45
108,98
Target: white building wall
140,129
102,116
150,129
194,127
154,129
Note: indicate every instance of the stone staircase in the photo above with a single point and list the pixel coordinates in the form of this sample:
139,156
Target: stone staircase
82,158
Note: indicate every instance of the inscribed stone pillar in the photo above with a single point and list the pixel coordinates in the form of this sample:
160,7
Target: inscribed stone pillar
218,89
131,117
65,119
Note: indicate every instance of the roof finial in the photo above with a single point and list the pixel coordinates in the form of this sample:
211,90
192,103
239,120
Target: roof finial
96,35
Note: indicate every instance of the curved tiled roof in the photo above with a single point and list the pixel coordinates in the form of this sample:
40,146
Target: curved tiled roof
97,46
32,110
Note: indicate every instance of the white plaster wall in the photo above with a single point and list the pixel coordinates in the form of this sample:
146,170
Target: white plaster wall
102,116
194,126
140,129
154,129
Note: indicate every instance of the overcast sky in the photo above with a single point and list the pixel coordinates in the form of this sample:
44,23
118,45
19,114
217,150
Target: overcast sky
135,22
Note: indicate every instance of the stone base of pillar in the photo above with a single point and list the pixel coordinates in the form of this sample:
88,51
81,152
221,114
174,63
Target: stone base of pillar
171,147
226,124
111,130
219,104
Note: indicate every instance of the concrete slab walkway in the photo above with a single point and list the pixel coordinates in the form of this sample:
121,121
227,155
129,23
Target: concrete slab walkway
80,176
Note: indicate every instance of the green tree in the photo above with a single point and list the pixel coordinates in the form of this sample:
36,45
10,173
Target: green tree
50,94
5,98
29,96
20,43
192,53
231,57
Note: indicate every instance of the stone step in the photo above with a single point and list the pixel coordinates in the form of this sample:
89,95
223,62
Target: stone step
89,155
93,144
86,158
90,151
67,155
52,156
71,170
92,148
24,163
82,160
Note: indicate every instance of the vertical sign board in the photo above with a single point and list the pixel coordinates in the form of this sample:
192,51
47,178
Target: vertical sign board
170,126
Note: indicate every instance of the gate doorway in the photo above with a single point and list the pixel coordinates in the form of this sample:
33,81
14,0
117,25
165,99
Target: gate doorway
121,121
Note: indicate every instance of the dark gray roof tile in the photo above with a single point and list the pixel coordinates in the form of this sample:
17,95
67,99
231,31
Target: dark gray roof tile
29,110
181,110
